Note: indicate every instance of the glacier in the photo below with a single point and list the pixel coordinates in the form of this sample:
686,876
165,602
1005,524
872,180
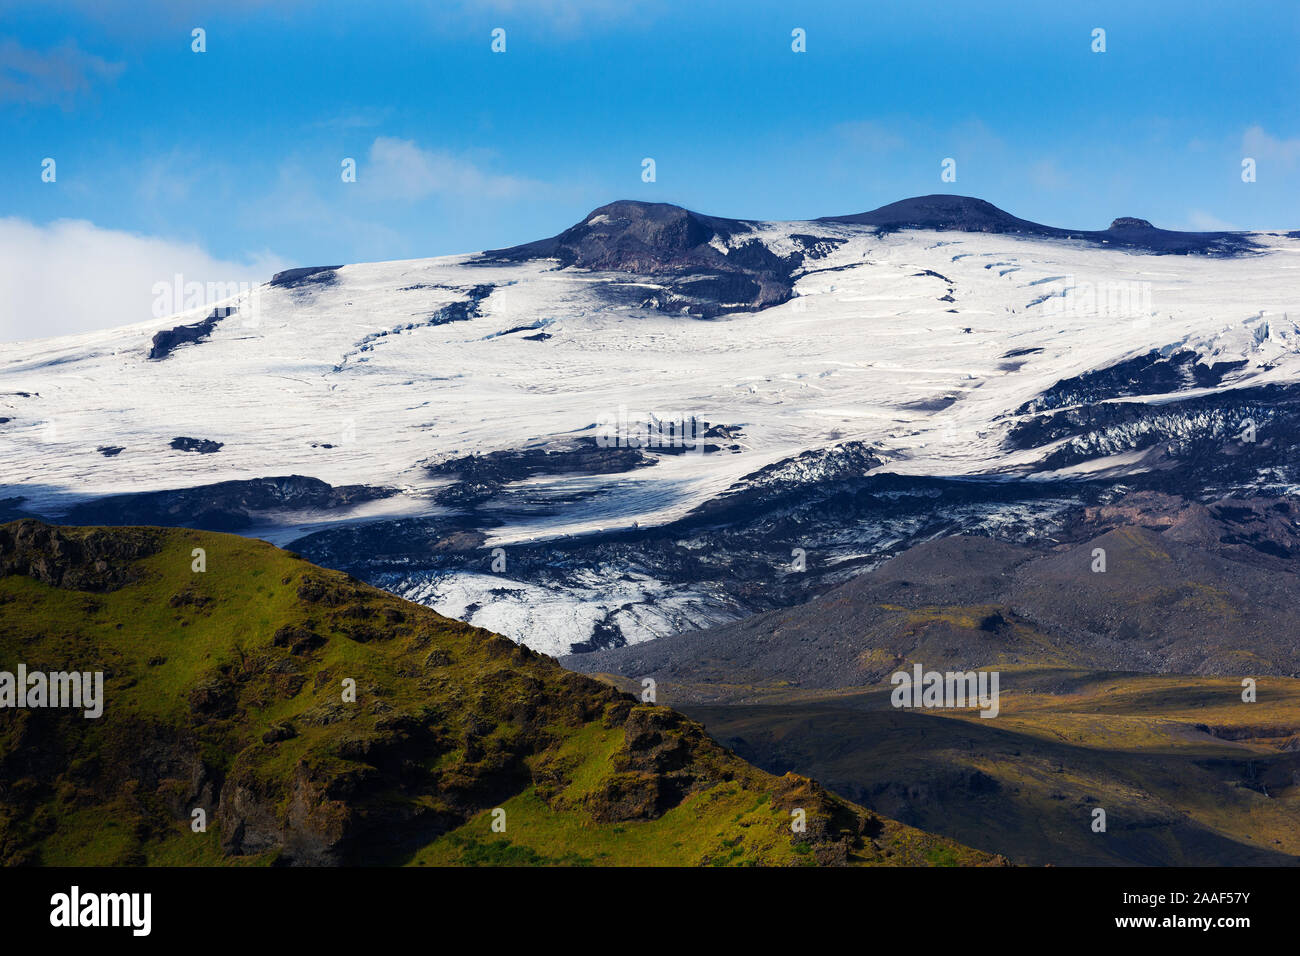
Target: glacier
930,348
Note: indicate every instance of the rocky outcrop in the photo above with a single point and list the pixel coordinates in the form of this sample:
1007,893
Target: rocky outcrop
709,264
305,276
168,340
223,506
944,212
81,560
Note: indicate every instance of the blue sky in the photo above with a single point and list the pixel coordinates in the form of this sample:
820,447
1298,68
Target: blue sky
228,161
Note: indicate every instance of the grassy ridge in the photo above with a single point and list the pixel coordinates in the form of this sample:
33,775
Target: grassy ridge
225,691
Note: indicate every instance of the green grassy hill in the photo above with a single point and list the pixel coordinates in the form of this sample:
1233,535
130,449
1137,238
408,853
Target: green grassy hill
226,691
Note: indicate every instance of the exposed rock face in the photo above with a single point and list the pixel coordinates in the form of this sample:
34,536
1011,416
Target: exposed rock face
201,446
1204,445
678,245
480,478
628,236
941,211
167,341
656,768
1260,531
967,214
1129,222
223,506
304,277
74,558
1151,373
791,476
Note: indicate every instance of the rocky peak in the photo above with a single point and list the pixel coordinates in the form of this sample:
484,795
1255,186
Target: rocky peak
940,211
1129,222
708,264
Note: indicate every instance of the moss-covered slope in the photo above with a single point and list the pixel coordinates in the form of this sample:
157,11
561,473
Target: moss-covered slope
226,690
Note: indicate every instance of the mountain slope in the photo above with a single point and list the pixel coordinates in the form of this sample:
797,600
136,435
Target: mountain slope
1187,774
225,690
1119,689
859,384
1186,589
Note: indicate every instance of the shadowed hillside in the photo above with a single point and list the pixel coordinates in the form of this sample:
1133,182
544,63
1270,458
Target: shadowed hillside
1185,588
1120,689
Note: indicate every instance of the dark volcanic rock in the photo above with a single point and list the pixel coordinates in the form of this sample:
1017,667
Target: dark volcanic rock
821,643
401,542
712,265
1234,440
202,446
482,477
788,477
967,214
167,341
1129,222
224,506
628,236
673,244
942,211
306,276
581,456
1151,374
80,559
725,560
461,311
1187,589
1264,532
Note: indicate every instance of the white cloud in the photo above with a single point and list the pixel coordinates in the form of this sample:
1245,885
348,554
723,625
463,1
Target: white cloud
72,276
398,169
297,206
1258,144
1200,221
57,75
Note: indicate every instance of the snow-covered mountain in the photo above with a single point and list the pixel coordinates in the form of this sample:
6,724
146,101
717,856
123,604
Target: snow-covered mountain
815,395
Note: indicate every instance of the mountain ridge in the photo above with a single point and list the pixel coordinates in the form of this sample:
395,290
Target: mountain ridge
665,234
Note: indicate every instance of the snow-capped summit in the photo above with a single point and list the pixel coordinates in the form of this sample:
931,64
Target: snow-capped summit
538,397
